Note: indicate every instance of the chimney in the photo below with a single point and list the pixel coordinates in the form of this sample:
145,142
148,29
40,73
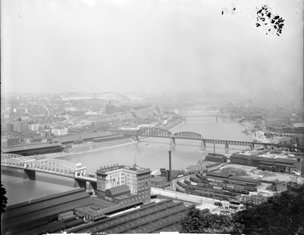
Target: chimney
170,167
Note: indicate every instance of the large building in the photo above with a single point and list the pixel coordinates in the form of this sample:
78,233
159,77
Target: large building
270,162
150,218
136,178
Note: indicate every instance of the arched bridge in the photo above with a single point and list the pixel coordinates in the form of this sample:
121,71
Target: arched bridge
163,133
30,165
155,132
187,135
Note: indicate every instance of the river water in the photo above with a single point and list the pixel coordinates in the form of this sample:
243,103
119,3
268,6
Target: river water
149,152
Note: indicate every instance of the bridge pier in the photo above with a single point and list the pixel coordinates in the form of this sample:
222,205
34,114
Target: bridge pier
80,183
265,146
203,145
226,148
93,185
251,146
172,144
29,174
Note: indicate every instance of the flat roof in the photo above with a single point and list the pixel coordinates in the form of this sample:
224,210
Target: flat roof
136,168
146,219
38,209
215,155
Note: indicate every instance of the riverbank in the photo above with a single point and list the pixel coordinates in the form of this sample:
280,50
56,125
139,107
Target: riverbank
91,147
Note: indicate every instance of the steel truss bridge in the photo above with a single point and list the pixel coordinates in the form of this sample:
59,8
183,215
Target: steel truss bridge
163,133
31,165
216,116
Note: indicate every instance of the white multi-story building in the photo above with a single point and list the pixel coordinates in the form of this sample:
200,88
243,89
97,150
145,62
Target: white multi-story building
136,178
60,131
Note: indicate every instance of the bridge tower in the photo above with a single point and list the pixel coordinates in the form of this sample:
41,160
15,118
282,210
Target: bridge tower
79,171
216,118
226,148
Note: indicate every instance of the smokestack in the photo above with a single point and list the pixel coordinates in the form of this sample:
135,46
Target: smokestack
170,167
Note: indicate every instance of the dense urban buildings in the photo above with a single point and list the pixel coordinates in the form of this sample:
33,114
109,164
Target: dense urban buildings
219,183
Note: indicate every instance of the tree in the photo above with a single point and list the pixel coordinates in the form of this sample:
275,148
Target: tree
281,214
196,221
3,199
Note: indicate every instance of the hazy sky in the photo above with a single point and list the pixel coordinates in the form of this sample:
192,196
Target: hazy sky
149,45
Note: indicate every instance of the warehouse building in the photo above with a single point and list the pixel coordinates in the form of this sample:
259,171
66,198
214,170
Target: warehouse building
149,218
267,162
47,214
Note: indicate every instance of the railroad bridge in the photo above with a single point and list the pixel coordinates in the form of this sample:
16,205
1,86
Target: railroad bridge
163,133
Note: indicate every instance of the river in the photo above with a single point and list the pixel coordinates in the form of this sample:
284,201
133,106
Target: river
149,152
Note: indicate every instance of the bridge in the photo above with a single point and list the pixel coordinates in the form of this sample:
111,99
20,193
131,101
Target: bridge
30,165
163,133
216,115
33,164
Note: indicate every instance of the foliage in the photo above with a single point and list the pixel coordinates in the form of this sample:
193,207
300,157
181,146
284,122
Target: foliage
281,214
197,222
3,199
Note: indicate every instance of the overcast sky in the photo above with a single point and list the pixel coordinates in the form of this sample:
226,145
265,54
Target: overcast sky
149,45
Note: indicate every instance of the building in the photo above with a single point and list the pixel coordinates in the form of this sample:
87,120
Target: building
149,218
159,181
58,131
136,178
33,127
212,157
41,215
165,173
20,126
10,141
235,183
269,162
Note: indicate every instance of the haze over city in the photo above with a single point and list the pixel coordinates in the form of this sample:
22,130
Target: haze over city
159,46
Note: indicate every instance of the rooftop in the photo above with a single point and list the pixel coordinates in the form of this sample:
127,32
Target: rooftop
136,168
21,215
117,191
150,218
254,173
